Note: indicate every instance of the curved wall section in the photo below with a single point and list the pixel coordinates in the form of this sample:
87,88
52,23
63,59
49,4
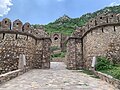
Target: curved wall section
103,41
99,37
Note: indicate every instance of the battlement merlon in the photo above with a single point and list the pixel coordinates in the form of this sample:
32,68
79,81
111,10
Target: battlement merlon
101,20
17,25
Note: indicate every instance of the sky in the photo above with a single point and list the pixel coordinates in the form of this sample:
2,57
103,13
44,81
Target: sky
46,11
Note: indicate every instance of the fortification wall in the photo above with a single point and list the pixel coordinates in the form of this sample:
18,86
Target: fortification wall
11,48
19,39
99,37
102,39
102,42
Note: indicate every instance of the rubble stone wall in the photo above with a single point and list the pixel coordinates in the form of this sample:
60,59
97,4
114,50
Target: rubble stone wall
46,54
99,37
18,40
10,49
104,43
74,53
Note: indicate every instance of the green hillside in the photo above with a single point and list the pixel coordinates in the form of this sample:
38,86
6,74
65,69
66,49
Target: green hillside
67,25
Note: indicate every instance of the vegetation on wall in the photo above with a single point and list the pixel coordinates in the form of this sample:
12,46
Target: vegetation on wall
103,64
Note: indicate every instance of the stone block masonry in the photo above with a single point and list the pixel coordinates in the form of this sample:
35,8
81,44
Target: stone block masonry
74,53
21,39
99,37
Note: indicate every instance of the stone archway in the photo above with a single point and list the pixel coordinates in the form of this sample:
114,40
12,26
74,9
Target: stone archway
57,54
56,37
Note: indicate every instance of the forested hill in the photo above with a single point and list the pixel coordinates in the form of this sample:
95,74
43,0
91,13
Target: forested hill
67,25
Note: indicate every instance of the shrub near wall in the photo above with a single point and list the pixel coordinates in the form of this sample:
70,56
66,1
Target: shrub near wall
105,66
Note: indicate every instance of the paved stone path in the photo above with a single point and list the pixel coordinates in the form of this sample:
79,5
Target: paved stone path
57,78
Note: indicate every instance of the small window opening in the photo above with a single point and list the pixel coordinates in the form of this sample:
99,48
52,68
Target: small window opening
56,38
102,30
17,23
114,29
107,19
27,37
3,35
5,22
16,36
100,17
95,22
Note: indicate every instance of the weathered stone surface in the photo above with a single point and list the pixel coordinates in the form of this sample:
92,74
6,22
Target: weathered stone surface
46,54
57,78
59,41
74,54
19,41
17,25
99,37
6,24
26,27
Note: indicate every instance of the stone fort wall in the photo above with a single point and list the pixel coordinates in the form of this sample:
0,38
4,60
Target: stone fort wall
17,39
99,37
59,40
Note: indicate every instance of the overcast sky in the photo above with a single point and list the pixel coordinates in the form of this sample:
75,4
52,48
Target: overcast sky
45,11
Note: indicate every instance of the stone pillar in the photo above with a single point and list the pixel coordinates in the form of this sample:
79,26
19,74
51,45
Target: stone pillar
79,54
71,56
46,53
38,55
74,53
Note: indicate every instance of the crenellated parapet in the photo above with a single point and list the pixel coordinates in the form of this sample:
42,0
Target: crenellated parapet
103,19
18,26
6,24
26,27
100,21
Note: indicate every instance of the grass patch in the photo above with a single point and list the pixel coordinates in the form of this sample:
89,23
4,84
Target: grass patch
105,66
61,55
114,72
